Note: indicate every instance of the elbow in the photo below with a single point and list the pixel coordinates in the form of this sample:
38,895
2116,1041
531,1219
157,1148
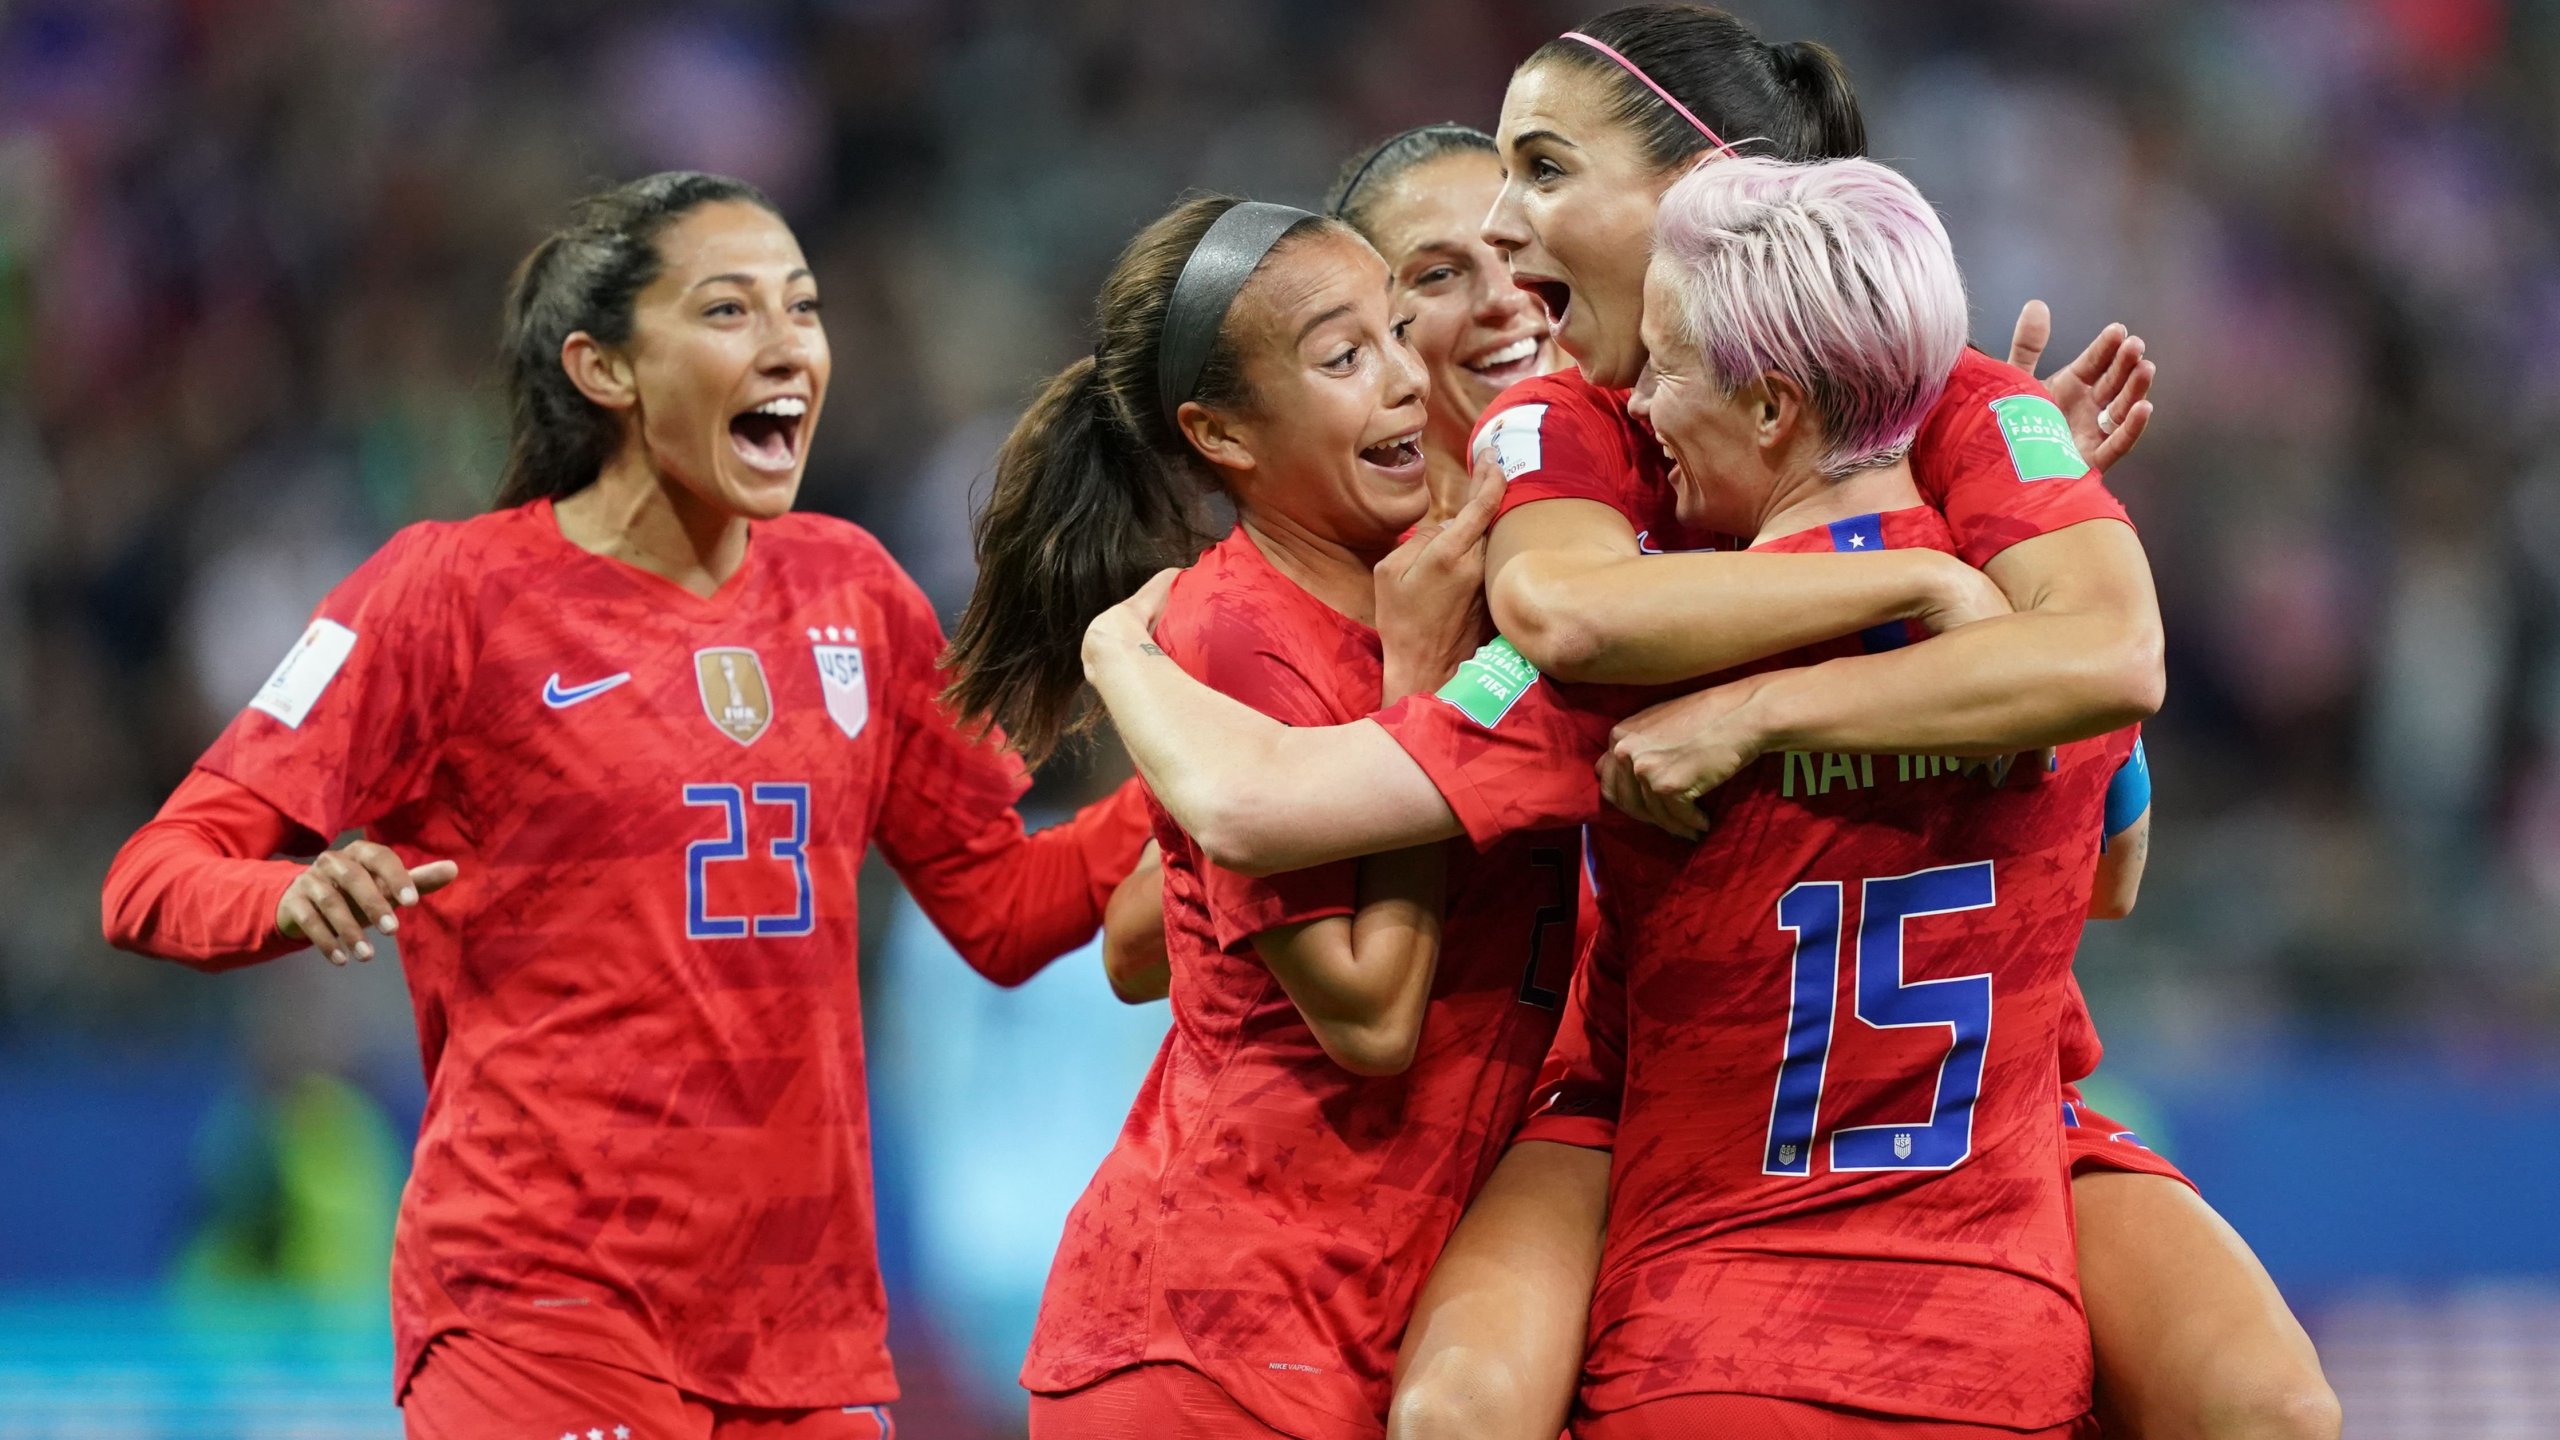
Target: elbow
1537,614
1374,1050
120,910
119,932
1137,977
1234,833
2133,677
1004,970
1371,1057
2110,907
1227,812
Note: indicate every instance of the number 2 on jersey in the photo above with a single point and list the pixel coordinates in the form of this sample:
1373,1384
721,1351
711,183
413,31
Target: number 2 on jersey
731,844
1962,1003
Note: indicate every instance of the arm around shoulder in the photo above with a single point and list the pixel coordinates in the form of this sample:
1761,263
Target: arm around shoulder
1257,796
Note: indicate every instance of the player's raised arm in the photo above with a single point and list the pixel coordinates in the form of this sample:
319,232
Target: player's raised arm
2080,657
1574,587
1575,592
1260,797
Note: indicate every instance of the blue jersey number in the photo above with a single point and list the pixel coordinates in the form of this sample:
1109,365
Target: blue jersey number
731,844
1812,912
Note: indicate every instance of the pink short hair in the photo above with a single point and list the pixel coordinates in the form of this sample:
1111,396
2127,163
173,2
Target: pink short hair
1835,274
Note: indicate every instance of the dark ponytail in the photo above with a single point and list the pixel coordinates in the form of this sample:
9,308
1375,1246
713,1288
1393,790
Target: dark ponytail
1094,492
1786,102
584,276
1826,106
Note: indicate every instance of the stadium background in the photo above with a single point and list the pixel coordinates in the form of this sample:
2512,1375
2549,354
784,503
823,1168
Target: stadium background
250,253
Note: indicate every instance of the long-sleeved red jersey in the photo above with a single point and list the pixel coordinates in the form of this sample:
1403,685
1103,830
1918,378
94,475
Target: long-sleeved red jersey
645,1139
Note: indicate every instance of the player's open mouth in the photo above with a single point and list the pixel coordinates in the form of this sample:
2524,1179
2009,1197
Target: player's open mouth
1508,363
1398,455
768,436
1555,295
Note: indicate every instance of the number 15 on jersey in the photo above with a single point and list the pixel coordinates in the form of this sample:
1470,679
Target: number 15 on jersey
1882,998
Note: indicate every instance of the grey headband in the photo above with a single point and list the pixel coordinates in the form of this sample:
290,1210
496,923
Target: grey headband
1225,258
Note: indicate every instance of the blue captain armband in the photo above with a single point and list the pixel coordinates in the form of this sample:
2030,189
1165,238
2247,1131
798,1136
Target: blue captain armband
2128,795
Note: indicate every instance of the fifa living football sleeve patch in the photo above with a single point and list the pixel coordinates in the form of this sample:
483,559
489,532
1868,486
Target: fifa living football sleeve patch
1514,438
2039,438
307,670
1490,683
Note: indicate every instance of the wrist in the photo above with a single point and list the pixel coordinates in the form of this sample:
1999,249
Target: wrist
1767,719
1404,677
1417,674
280,926
1107,647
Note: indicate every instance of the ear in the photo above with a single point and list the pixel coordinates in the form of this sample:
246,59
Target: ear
1783,412
601,374
1223,439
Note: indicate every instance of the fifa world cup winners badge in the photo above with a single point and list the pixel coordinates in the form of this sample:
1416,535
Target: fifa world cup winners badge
734,694
840,678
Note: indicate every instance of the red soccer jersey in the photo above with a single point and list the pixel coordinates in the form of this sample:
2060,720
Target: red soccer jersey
1826,1048
1267,1216
645,1140
1994,457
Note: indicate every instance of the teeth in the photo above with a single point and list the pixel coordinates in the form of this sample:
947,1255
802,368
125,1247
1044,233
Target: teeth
1511,354
787,406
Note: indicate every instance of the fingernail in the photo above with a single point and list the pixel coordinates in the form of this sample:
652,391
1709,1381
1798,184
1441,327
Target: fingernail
390,923
336,957
364,949
408,894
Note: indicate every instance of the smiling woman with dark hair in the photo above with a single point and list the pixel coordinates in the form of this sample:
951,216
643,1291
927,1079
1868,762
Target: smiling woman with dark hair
1353,1043
618,749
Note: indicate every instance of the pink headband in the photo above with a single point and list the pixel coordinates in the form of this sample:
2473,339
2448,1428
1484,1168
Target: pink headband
1633,69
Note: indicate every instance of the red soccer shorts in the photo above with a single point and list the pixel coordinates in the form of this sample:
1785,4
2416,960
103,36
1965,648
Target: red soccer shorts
1158,1402
1689,1417
469,1388
2091,1141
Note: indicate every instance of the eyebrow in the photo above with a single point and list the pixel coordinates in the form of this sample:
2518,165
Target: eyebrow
1336,313
736,278
1527,138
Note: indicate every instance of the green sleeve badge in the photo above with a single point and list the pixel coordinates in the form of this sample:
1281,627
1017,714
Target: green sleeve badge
2039,438
1490,683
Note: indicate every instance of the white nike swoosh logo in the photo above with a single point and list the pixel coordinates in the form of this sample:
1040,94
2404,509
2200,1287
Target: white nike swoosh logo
559,699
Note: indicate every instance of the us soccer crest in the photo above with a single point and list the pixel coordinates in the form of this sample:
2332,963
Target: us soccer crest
734,694
840,678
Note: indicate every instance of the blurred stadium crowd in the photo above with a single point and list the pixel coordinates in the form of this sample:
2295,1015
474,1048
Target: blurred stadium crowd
251,250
